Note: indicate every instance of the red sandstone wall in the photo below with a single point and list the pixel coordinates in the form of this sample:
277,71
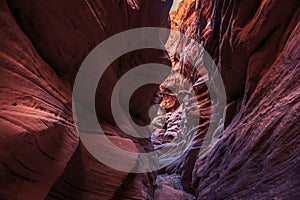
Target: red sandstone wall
255,45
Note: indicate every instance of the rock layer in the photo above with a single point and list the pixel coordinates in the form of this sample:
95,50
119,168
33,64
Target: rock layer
255,46
37,133
63,33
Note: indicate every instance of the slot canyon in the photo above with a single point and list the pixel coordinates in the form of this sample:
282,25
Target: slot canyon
233,122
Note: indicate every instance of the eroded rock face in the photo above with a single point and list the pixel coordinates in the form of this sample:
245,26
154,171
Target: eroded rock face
39,116
192,119
37,133
258,155
255,46
169,187
77,27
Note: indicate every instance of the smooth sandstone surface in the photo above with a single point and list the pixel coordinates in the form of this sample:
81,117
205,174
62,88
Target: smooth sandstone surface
255,45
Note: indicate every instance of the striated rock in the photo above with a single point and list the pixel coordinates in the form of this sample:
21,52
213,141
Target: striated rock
164,191
37,134
196,109
185,126
77,27
258,155
63,33
179,16
79,183
255,46
169,187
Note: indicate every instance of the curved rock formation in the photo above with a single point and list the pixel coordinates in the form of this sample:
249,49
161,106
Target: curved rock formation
255,45
36,112
37,133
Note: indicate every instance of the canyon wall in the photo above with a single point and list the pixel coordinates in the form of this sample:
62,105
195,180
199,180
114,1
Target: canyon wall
43,44
38,136
255,46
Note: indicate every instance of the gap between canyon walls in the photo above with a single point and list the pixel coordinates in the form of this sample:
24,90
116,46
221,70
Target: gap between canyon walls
255,45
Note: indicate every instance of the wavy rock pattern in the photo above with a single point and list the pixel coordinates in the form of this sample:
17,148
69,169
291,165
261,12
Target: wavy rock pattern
43,100
255,46
37,134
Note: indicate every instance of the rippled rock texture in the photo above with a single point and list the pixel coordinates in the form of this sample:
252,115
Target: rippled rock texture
37,133
43,43
169,187
255,45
